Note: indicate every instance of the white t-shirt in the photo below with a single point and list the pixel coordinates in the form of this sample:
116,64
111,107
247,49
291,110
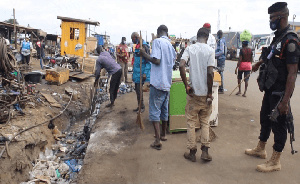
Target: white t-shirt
201,56
211,41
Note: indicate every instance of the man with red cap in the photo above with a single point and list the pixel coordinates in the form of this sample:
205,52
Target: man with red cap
211,39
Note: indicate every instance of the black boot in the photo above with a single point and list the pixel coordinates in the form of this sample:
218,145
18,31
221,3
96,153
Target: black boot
191,156
205,156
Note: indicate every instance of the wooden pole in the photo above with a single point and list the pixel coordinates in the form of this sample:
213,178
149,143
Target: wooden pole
15,31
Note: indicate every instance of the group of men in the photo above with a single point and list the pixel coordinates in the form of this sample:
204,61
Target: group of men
278,74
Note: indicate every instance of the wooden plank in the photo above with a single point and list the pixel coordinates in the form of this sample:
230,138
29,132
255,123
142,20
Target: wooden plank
74,73
82,76
51,100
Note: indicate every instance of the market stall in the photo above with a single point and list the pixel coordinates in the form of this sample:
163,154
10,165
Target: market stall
178,103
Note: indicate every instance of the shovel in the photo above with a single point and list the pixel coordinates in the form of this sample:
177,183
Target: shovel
139,118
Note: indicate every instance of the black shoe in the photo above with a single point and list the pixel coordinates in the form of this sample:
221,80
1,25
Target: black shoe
110,105
221,91
135,110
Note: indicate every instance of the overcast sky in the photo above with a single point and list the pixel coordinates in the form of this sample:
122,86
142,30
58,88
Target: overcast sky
122,17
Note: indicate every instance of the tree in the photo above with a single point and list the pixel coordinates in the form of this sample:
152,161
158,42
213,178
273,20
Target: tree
11,21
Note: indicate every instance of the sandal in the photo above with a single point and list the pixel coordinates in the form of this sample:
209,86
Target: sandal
156,146
238,93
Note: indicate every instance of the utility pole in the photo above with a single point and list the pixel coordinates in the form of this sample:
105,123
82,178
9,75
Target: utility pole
218,26
15,31
89,29
294,16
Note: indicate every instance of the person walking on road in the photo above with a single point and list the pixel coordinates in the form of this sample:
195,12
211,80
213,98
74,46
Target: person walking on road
244,66
277,77
123,58
199,92
146,67
106,61
26,49
221,57
162,58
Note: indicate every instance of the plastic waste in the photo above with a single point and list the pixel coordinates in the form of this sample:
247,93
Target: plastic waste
73,165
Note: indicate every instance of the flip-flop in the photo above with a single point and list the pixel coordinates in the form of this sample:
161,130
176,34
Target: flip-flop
156,146
238,93
244,95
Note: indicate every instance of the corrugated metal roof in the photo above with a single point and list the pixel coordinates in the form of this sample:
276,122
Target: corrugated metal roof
17,26
68,19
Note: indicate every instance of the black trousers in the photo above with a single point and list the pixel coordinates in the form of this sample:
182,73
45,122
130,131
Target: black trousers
279,128
139,94
26,59
114,85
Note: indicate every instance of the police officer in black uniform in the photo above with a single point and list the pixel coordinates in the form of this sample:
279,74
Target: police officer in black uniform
277,76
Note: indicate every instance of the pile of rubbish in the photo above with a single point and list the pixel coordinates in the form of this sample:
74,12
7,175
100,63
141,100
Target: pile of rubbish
62,163
125,88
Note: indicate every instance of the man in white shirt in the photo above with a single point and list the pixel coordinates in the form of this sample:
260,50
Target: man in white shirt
211,39
199,90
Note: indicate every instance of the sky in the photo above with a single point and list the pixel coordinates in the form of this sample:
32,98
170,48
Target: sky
122,17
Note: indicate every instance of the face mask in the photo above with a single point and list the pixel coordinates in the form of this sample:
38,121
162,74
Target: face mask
275,24
124,42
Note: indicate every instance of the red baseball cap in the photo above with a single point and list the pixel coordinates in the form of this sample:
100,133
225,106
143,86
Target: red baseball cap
206,25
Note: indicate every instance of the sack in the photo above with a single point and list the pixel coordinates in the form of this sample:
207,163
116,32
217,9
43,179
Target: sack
245,36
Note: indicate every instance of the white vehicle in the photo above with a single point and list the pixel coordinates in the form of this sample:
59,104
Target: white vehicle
263,42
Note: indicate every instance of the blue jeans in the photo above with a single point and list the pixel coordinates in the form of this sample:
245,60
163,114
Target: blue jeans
221,66
158,105
41,60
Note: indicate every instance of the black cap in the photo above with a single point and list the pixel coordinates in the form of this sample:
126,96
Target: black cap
276,7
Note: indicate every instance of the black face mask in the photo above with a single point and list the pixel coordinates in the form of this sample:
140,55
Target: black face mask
275,24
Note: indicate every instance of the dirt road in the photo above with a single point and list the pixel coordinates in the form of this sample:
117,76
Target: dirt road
119,152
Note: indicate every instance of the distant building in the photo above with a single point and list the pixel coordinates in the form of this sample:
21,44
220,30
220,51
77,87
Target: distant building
295,26
102,39
73,35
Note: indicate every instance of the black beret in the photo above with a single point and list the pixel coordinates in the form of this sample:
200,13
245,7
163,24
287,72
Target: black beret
276,7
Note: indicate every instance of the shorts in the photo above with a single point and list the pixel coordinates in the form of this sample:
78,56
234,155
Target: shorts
246,73
158,104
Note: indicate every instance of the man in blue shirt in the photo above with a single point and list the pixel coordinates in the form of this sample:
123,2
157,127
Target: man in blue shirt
162,58
221,57
106,61
26,50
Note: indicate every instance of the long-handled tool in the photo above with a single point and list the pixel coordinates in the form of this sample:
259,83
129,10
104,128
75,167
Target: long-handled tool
139,118
241,82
